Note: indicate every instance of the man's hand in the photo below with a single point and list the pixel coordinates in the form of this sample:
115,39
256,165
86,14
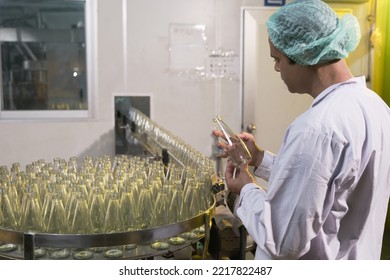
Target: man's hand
256,152
237,178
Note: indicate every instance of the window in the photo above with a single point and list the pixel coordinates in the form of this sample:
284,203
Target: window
43,59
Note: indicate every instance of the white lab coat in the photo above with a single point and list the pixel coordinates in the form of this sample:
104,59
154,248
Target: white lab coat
329,185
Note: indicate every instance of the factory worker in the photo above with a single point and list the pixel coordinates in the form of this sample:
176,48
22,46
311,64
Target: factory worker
328,185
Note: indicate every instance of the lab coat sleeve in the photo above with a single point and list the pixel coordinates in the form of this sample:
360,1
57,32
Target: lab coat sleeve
264,169
284,220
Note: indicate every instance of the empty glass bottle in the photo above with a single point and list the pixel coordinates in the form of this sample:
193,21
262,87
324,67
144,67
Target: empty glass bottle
31,213
145,206
97,210
81,222
161,207
9,220
234,146
129,210
113,220
57,221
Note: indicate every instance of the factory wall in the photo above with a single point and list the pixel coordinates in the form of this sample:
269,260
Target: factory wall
131,57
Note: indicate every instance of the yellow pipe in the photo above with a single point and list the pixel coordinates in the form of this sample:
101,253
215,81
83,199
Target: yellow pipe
381,43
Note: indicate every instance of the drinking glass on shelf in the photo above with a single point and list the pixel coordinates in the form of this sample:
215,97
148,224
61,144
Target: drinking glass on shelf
233,144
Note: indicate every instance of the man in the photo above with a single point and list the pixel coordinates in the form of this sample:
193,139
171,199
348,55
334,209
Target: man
328,186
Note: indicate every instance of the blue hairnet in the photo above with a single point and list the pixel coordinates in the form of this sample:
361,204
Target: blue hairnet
310,32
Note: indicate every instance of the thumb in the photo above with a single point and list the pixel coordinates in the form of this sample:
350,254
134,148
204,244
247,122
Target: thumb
230,168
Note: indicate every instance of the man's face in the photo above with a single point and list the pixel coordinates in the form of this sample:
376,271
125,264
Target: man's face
295,76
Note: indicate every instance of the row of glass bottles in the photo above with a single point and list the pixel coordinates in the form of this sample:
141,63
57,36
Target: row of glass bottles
156,137
104,195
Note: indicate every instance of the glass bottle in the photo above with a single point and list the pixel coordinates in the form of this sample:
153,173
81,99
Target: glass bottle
161,207
129,210
97,210
113,223
113,219
9,219
176,202
191,204
145,206
57,222
50,192
81,222
31,213
233,145
70,203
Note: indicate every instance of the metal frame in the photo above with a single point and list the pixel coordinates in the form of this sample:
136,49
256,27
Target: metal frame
31,240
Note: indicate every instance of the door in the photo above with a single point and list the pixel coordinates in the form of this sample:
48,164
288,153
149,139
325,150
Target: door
267,104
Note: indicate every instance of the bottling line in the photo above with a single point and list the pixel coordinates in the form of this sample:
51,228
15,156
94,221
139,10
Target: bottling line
154,204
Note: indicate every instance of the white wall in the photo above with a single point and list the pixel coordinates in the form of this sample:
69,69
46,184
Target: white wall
183,106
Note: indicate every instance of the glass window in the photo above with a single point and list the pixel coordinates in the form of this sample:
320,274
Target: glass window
43,58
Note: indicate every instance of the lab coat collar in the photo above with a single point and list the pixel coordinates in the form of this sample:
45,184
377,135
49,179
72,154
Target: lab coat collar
332,88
